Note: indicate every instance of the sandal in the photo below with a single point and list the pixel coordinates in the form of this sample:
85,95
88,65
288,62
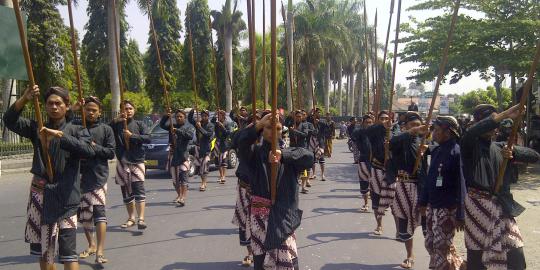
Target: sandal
378,231
364,209
308,184
180,203
100,259
129,223
247,261
304,191
222,181
323,179
141,225
407,264
87,253
202,189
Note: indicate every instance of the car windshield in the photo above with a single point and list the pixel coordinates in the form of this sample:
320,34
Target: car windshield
156,129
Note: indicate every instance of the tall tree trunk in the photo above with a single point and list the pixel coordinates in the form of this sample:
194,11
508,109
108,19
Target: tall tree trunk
351,93
333,100
514,87
311,89
327,87
347,96
113,71
228,38
290,48
340,93
9,90
360,86
499,78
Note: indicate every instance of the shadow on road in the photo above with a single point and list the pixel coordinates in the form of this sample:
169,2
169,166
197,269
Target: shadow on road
345,190
206,232
329,211
339,196
357,266
16,260
219,207
203,266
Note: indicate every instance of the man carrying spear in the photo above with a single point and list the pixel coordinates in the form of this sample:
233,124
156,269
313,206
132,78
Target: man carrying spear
273,225
223,132
53,204
180,164
130,169
317,141
94,176
204,131
364,154
298,134
492,237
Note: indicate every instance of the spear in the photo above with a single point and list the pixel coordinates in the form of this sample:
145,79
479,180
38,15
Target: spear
289,64
76,60
119,67
216,93
517,124
192,57
394,65
251,31
375,68
274,167
161,69
442,68
263,54
366,50
380,79
32,82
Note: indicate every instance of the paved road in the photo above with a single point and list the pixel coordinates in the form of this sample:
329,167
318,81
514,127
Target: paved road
334,235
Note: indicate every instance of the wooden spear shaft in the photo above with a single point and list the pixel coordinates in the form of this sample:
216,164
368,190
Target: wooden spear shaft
376,79
519,120
193,80
76,61
394,66
119,67
263,55
32,82
216,93
252,59
288,60
366,51
273,42
442,68
161,70
380,79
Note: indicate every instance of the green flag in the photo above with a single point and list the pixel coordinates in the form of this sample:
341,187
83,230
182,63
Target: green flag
11,57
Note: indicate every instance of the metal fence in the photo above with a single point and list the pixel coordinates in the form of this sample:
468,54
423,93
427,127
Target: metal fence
13,144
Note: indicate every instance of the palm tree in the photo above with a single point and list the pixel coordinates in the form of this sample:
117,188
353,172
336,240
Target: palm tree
228,23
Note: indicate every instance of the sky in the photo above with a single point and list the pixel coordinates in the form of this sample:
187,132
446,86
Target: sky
139,26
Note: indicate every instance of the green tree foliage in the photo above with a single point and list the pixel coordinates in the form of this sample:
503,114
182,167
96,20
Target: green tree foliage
143,103
49,43
95,55
186,99
197,15
483,96
166,16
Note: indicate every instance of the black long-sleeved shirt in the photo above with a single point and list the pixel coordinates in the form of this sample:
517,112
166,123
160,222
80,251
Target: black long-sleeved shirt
298,136
482,158
362,143
95,171
319,131
62,194
376,135
445,158
404,149
204,134
285,216
223,134
242,122
140,135
183,134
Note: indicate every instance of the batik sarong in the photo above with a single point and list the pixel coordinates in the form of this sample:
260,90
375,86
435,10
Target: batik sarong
439,240
487,229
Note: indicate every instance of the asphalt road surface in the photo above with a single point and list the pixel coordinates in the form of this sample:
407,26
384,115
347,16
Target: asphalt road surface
334,235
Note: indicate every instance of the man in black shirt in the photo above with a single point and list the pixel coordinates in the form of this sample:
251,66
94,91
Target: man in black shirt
180,163
364,154
223,131
94,176
298,134
130,169
53,202
330,134
204,133
273,225
492,237
317,140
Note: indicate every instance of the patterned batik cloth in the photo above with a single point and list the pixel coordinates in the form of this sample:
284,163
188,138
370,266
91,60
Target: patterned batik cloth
221,155
176,171
86,208
439,240
364,173
127,173
380,187
242,209
276,259
201,162
315,147
405,205
44,234
489,230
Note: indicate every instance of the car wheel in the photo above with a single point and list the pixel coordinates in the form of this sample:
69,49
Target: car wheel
233,160
192,168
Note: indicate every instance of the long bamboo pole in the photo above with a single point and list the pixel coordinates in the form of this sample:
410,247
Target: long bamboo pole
119,67
76,60
366,51
216,92
380,79
273,42
394,67
263,55
32,82
517,124
376,61
252,58
288,60
193,79
442,68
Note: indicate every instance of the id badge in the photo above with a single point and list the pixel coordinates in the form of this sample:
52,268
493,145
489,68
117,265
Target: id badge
439,181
